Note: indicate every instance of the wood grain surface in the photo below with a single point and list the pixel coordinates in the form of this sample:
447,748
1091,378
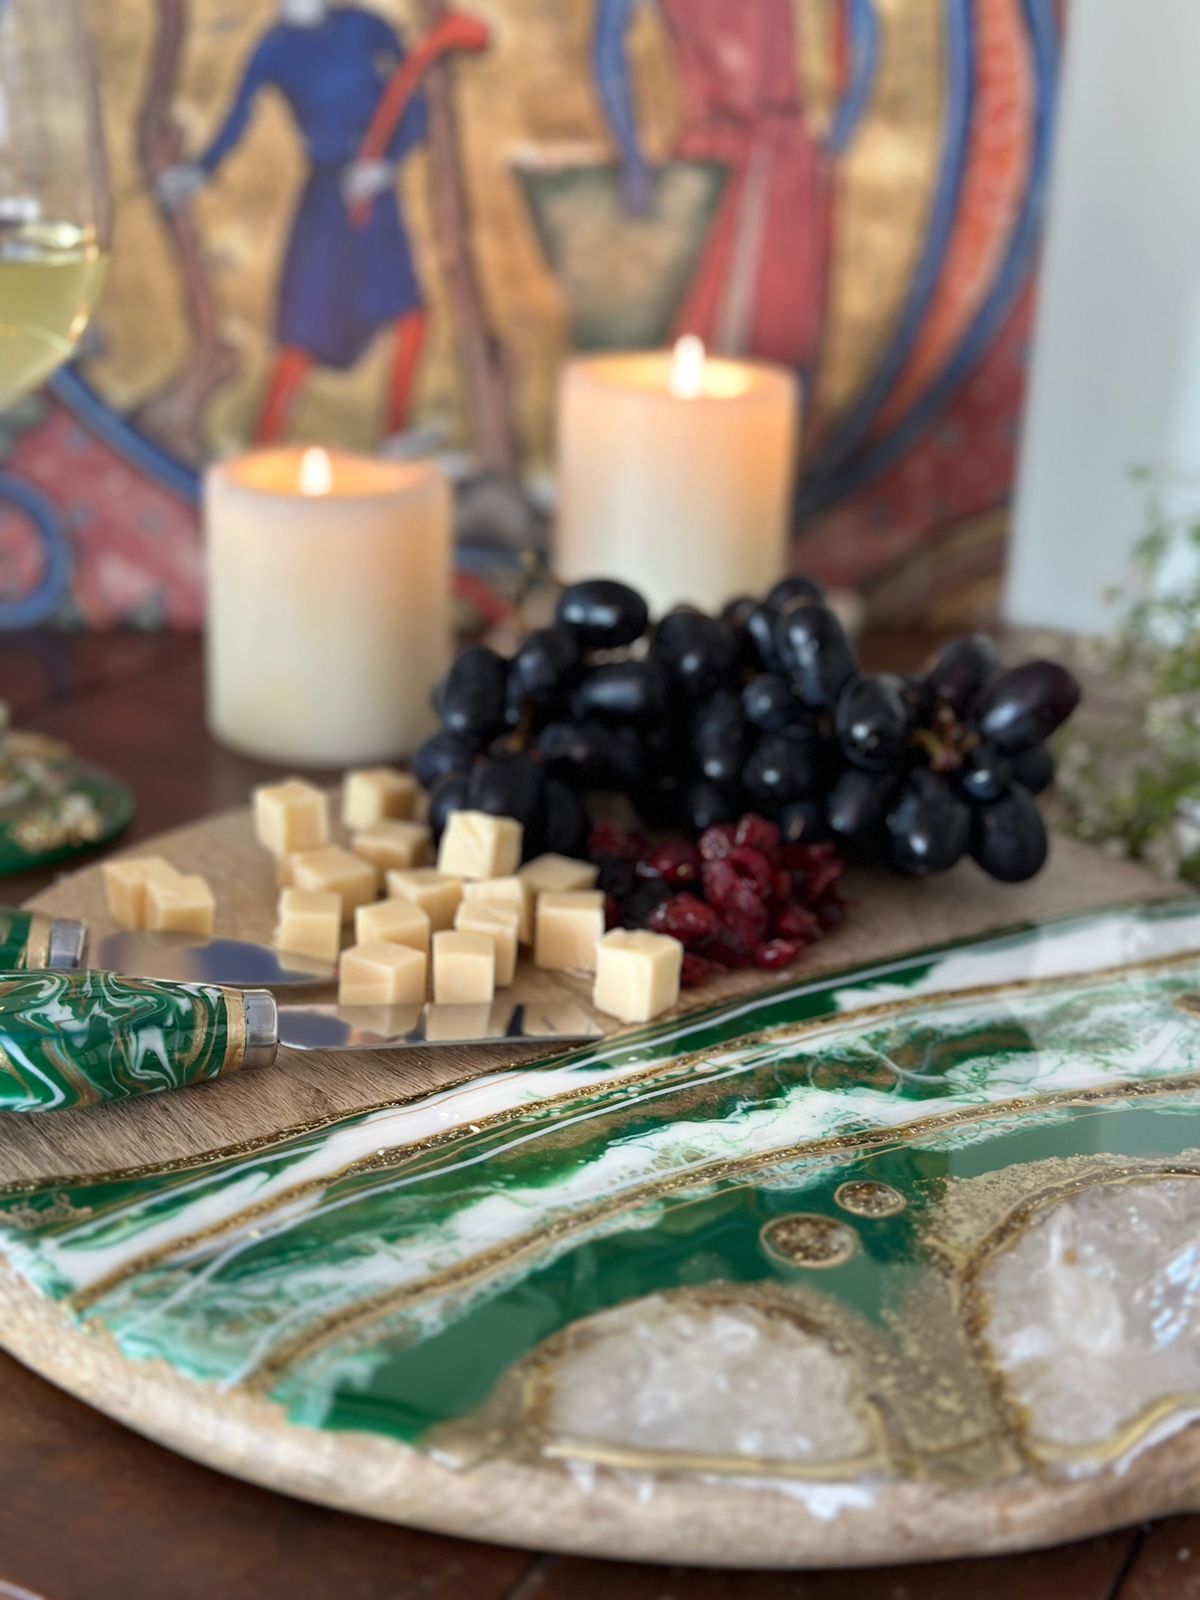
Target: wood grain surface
90,1511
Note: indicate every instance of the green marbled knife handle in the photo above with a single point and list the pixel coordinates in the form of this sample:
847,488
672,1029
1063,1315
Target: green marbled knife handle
29,939
70,1039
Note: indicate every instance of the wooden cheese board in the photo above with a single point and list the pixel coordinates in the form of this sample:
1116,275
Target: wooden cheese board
751,1286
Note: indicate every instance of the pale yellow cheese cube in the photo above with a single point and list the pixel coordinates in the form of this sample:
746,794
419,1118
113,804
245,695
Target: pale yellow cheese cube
392,922
569,926
179,904
464,969
476,845
501,925
375,794
310,923
637,974
125,887
438,895
332,870
512,893
552,874
380,974
291,816
401,845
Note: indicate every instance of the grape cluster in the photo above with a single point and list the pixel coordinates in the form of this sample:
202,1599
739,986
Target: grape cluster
762,709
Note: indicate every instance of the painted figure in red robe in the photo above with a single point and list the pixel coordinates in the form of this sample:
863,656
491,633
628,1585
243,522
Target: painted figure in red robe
761,282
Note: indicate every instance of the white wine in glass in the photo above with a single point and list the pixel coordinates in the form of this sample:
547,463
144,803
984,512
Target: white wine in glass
55,219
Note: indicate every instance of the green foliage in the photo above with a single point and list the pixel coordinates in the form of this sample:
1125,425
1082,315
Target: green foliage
1130,773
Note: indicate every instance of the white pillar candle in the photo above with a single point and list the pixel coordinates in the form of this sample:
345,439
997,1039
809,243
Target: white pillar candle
328,604
675,473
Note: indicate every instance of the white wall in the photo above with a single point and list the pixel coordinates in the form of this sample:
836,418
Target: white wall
1116,370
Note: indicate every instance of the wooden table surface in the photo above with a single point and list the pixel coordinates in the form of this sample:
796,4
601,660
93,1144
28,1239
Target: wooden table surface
90,1511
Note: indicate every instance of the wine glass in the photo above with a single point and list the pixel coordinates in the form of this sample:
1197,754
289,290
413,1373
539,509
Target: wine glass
55,216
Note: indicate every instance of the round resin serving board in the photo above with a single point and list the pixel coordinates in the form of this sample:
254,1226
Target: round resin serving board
896,1260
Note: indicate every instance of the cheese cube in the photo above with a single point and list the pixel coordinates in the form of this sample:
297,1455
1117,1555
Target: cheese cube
637,974
394,844
476,845
464,969
125,887
569,926
310,924
552,874
332,870
373,794
511,893
291,816
379,974
179,904
500,924
392,922
437,895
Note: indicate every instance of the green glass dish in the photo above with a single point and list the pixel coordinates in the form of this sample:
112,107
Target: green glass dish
52,805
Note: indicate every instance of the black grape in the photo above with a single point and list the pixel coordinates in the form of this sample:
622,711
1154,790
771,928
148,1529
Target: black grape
803,821
545,666
1033,769
591,755
816,654
510,786
781,769
720,739
622,691
928,826
962,670
705,804
566,822
984,775
472,695
872,721
796,587
1025,705
699,652
769,704
760,624
441,753
602,613
1008,837
857,804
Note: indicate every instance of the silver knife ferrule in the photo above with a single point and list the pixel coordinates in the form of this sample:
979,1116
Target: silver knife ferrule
66,946
262,1028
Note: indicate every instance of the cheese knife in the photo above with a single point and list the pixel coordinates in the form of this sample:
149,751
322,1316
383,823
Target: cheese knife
30,939
71,1039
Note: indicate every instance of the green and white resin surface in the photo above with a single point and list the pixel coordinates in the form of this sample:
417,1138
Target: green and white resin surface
938,1217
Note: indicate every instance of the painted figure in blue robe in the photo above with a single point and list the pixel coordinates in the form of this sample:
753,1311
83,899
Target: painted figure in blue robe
349,270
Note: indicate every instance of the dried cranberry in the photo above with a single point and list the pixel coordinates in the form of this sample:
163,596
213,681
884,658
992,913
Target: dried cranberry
806,857
729,950
743,875
676,861
817,883
758,834
697,970
606,839
750,920
781,884
754,868
793,922
776,953
718,841
685,918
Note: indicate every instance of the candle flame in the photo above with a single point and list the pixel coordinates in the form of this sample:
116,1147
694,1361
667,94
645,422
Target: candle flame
316,472
687,368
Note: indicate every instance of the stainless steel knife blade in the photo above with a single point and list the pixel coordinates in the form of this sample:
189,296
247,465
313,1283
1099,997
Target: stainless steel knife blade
232,963
505,1021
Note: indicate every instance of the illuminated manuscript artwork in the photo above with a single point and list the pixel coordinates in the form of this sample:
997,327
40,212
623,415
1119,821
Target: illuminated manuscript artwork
386,225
